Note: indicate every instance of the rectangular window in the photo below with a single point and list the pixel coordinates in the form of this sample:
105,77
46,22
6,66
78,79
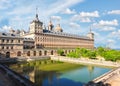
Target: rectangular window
11,41
7,40
2,47
3,40
7,47
18,41
12,47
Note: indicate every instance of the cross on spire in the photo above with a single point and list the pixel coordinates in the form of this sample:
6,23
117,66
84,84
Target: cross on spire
36,12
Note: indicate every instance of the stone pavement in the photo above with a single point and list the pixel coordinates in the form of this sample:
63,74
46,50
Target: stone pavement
115,81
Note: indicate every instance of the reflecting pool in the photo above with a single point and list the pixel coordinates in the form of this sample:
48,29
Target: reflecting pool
51,73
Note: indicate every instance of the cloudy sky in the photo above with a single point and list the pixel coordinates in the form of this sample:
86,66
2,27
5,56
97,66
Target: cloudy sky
75,16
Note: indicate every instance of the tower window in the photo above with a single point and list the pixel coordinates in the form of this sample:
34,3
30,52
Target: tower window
12,47
3,40
18,41
7,48
2,47
11,41
7,40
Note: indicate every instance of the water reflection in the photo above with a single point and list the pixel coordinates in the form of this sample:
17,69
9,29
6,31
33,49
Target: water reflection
73,77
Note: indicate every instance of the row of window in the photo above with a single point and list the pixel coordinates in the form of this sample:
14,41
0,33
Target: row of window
48,39
9,41
8,47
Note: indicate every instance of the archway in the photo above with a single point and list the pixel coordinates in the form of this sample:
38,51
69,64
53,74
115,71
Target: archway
34,53
7,54
51,52
28,53
45,53
19,53
40,53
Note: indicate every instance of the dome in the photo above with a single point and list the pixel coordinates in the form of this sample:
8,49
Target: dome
11,30
17,31
58,28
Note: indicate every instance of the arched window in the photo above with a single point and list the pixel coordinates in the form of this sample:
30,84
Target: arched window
51,52
34,53
19,53
7,54
28,53
40,53
45,53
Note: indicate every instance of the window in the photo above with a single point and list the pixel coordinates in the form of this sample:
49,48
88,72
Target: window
7,47
3,40
11,41
34,53
3,34
7,40
18,41
2,47
12,47
12,35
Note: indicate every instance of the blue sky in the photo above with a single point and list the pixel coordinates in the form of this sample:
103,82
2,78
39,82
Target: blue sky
75,16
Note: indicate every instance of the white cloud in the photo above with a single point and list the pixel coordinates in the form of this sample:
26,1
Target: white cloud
68,11
89,14
85,16
114,12
115,34
106,25
81,19
85,19
5,28
108,28
56,18
4,4
111,41
74,25
60,5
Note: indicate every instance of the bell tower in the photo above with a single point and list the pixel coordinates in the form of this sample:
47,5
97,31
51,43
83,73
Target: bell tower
90,34
50,26
36,26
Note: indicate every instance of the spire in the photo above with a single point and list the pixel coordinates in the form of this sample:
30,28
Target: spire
50,25
36,13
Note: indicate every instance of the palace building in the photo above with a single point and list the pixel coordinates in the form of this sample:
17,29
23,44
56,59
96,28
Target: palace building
55,37
40,41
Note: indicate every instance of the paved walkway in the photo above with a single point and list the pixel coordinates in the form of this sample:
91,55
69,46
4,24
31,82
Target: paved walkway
85,61
114,81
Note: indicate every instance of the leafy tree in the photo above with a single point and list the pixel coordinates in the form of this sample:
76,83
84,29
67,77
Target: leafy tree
60,52
73,54
109,55
100,51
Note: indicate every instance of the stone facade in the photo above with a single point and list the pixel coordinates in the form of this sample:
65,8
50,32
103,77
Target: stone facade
40,41
56,38
10,45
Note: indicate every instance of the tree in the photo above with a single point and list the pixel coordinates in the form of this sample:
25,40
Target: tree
100,51
60,52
